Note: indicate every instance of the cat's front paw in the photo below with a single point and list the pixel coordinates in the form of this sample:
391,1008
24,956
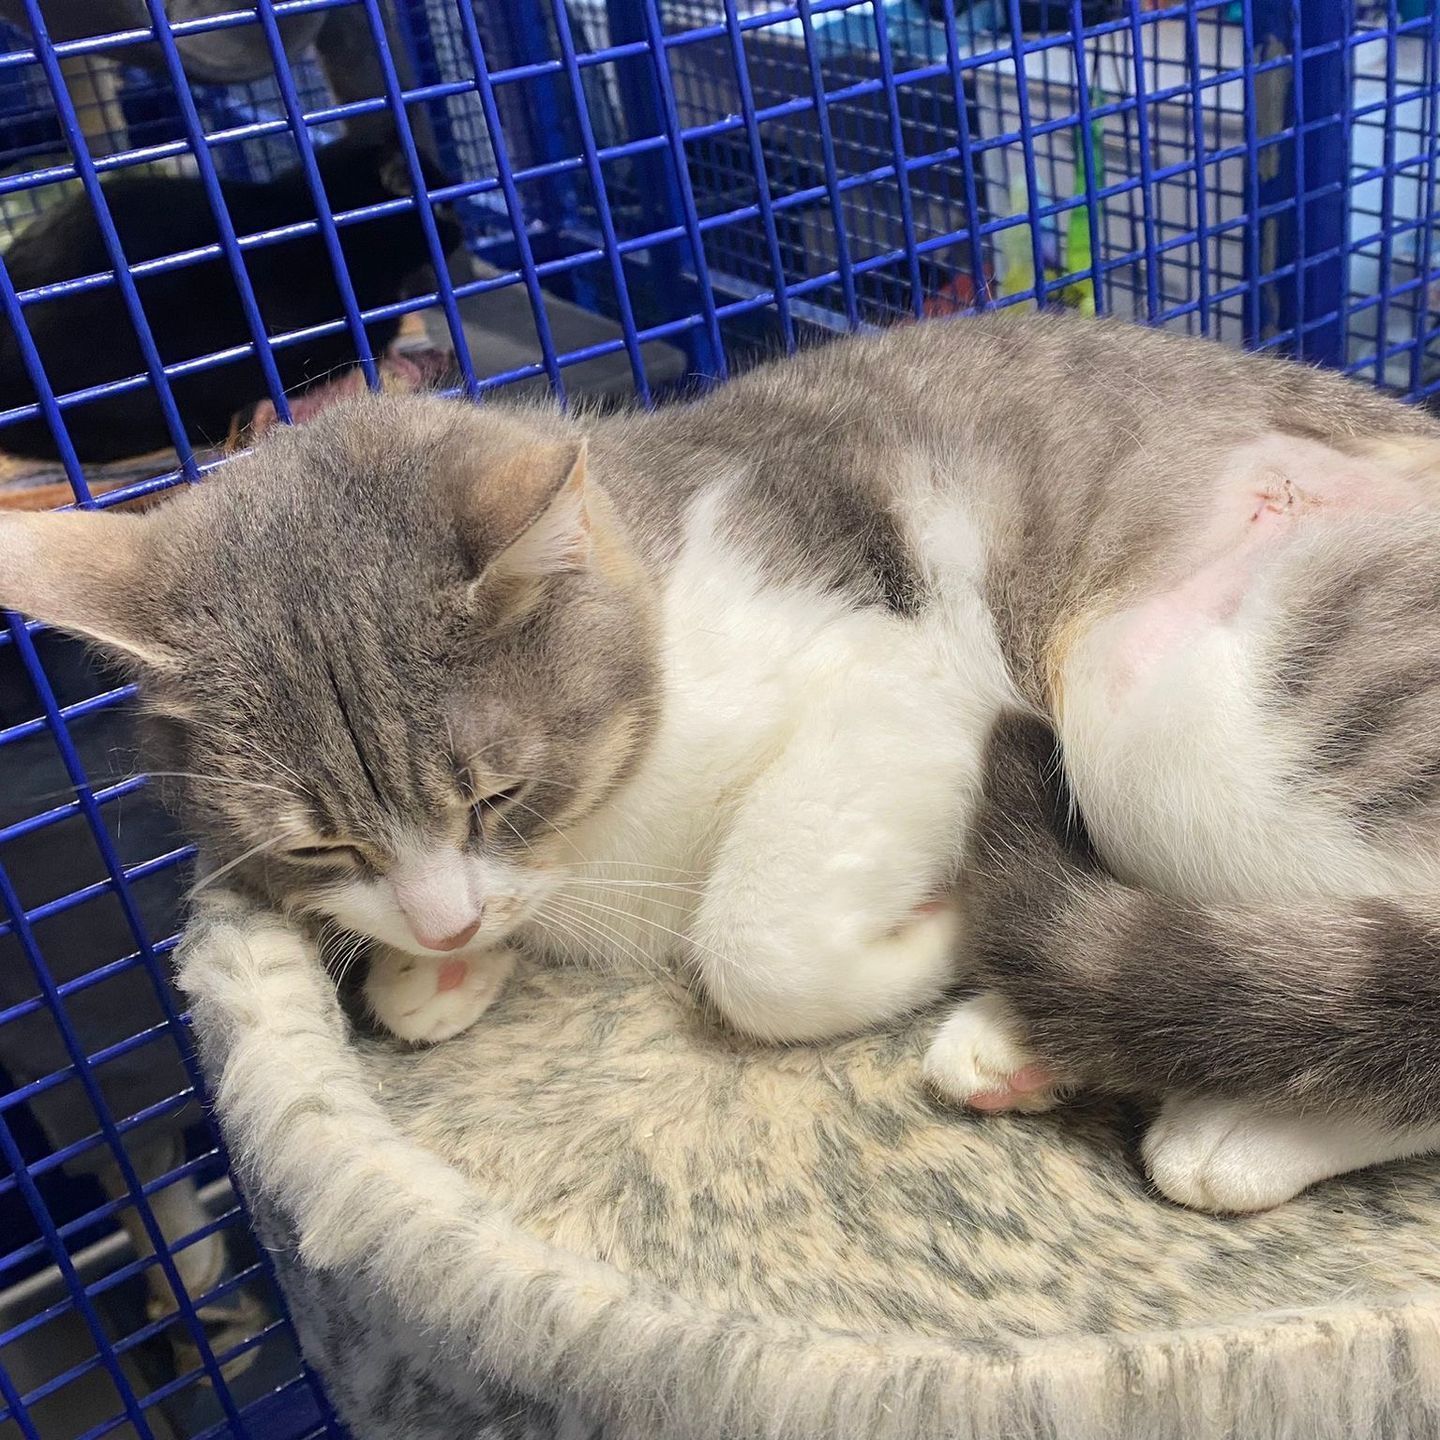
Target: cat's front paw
426,1001
979,1059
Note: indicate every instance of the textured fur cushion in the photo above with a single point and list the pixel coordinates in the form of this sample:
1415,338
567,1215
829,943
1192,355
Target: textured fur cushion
598,1210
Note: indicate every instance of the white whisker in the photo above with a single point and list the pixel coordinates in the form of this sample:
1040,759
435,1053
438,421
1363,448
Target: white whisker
534,780
618,888
601,881
600,929
636,865
340,966
217,780
510,825
287,833
687,942
581,934
544,821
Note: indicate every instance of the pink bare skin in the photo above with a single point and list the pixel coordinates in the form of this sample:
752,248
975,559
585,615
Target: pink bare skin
1027,1081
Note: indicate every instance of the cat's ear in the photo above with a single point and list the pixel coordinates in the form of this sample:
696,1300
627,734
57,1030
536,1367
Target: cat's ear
536,519
81,572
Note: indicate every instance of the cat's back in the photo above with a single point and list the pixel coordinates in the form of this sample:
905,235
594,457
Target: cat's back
154,216
838,447
1033,413
1034,456
1024,381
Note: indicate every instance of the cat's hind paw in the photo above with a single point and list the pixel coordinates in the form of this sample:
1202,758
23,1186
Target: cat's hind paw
979,1060
425,1001
1212,1155
1233,1158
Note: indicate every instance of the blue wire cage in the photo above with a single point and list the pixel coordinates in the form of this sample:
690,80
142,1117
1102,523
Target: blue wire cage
650,191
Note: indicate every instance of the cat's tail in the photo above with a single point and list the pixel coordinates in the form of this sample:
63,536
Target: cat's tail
1323,1002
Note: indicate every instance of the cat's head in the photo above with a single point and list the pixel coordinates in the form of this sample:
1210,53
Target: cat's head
396,653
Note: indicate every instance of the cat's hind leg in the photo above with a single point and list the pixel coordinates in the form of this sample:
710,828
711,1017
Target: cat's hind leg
1266,778
1290,1041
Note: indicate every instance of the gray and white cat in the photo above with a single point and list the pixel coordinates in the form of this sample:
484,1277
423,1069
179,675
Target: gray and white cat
771,681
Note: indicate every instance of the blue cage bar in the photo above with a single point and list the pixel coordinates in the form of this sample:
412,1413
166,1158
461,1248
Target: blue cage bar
650,193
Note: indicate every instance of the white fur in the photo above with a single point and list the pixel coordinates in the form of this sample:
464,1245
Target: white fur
1233,1157
810,786
435,891
1182,776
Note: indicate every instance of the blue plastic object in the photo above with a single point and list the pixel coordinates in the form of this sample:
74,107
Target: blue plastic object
727,177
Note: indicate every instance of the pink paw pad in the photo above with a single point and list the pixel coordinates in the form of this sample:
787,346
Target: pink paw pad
1023,1085
451,975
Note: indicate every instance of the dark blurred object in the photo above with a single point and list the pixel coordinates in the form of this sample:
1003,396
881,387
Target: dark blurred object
47,862
227,56
1040,16
196,310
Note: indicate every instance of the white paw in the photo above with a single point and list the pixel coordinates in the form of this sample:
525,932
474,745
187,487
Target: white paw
1231,1158
978,1059
425,1001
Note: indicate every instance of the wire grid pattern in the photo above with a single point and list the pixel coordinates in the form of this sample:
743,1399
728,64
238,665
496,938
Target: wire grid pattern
1147,164
124,109
724,175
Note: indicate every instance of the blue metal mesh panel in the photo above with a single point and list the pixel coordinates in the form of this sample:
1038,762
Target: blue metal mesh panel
1392,305
713,175
1147,162
124,108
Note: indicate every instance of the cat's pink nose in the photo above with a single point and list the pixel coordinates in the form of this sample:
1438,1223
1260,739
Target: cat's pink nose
449,942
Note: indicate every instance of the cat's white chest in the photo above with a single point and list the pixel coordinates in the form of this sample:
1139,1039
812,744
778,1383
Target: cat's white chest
762,678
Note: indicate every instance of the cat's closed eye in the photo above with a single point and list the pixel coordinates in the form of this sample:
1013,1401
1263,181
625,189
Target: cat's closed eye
498,799
335,855
489,806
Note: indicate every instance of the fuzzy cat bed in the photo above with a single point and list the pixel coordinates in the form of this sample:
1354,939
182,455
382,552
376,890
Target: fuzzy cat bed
598,1214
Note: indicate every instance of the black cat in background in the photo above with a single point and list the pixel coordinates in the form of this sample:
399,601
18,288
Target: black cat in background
87,338
1042,17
